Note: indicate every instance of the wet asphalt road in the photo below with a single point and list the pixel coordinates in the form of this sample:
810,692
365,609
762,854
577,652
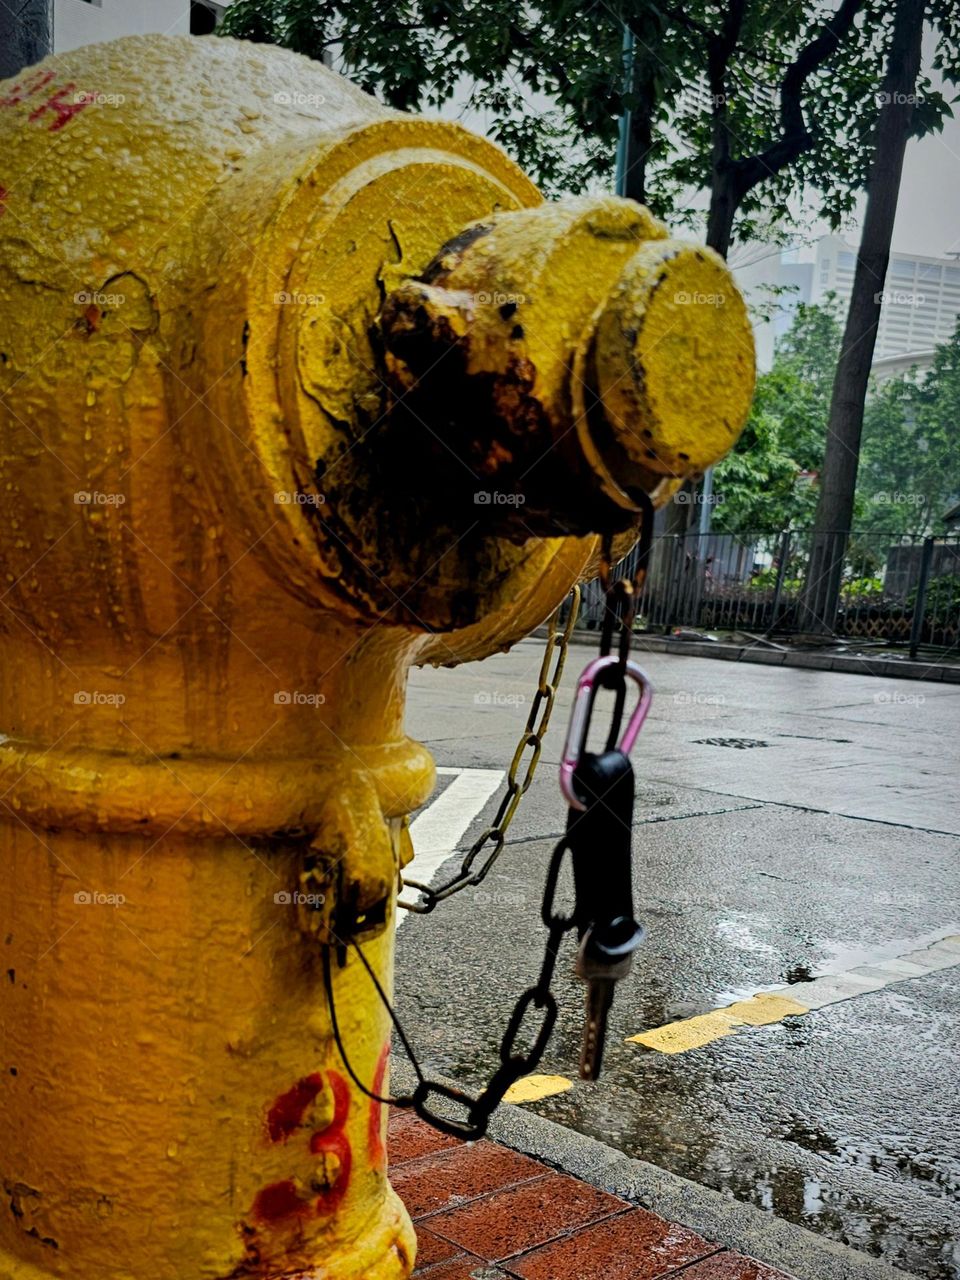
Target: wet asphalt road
835,844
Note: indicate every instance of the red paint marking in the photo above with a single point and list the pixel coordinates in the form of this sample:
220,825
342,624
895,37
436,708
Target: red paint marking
64,111
333,1141
375,1144
33,84
4,193
278,1200
341,1099
336,1144
287,1112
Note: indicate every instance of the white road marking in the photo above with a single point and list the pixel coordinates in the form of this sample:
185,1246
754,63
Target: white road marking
437,831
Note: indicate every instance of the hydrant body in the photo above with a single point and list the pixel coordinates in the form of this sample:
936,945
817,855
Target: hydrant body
212,593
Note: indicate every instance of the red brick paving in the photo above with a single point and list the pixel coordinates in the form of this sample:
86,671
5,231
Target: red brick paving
449,1178
483,1212
464,1269
634,1245
521,1218
431,1249
410,1138
732,1266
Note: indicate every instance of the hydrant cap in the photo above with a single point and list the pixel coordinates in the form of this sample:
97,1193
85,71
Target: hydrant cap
672,357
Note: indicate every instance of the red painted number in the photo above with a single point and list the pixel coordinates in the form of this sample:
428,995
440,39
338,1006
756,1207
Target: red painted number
59,108
286,1115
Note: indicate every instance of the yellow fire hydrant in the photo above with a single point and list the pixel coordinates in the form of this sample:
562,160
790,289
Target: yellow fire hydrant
295,392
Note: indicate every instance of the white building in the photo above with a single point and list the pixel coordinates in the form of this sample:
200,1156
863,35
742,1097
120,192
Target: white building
80,22
920,300
773,281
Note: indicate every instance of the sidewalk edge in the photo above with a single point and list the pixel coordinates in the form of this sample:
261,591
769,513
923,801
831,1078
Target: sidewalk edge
852,664
730,1222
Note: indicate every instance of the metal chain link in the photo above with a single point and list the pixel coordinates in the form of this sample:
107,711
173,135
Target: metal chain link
531,739
514,1061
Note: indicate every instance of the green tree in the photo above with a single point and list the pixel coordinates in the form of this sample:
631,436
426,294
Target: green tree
746,101
833,521
909,463
761,485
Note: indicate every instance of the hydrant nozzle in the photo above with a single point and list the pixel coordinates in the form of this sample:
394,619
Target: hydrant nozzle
566,359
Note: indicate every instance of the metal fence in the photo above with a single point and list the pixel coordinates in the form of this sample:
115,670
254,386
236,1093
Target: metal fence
894,589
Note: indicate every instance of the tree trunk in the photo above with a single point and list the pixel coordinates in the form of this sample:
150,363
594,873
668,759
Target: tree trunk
26,35
725,197
839,475
644,33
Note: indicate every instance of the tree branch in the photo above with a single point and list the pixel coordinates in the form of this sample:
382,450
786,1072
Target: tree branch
522,39
796,136
720,49
683,20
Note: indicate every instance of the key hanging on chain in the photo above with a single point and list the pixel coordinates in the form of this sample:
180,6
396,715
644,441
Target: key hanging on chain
599,789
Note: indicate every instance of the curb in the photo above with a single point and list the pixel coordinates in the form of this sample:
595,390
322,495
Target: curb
732,1223
854,664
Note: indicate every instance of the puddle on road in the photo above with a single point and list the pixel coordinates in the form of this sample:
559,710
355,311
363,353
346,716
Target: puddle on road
810,1188
788,1191
762,1137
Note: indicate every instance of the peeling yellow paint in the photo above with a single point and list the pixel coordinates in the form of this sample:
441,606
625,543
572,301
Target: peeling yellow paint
654,329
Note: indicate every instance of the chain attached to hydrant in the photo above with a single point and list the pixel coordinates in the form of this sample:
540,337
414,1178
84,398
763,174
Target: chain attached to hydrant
599,789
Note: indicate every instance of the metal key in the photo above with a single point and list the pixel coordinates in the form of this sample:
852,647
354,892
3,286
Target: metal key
600,790
605,956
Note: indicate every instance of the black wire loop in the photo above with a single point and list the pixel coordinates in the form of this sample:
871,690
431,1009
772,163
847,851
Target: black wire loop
513,1065
548,914
469,1130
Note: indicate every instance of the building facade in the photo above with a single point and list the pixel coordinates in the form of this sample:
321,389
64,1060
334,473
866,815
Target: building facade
920,300
774,282
80,22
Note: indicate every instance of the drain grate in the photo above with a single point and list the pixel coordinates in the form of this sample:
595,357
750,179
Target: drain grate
741,744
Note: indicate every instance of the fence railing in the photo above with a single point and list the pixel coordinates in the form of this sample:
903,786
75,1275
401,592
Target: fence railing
894,588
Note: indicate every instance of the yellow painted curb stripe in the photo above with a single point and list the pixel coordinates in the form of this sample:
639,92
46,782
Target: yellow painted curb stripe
773,1006
693,1033
532,1088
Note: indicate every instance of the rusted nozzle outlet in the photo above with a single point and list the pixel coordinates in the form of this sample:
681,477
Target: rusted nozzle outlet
567,358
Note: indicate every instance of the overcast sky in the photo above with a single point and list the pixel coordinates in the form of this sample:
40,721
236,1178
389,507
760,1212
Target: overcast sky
928,214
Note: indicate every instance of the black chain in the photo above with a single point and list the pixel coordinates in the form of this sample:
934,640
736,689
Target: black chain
620,605
513,1064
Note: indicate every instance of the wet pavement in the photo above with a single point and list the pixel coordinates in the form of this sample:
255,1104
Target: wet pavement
789,823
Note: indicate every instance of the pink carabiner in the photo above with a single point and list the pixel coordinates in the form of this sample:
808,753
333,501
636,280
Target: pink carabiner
580,719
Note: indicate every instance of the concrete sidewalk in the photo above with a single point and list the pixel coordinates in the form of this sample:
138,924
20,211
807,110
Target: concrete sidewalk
792,827
485,1212
886,664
